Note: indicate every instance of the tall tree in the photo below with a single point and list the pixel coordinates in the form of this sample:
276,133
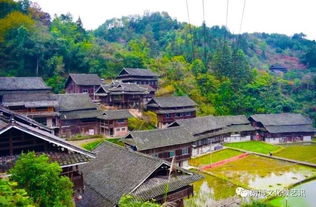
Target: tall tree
42,180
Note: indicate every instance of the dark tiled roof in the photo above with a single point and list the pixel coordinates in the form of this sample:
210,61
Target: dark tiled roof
30,99
85,79
22,83
157,186
124,88
172,101
281,119
290,129
200,125
151,139
138,72
80,114
168,111
115,114
278,67
209,126
76,101
63,159
233,120
117,171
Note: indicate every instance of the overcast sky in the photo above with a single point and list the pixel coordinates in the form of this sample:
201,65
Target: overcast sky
270,16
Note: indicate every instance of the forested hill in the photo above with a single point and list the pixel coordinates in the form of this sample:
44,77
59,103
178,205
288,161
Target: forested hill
224,73
166,36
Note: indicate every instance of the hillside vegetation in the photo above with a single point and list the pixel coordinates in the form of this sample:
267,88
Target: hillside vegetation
224,73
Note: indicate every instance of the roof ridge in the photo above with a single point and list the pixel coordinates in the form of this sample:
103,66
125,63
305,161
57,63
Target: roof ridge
129,151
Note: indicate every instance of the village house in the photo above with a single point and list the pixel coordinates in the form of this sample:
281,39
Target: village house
83,83
21,134
278,68
171,108
79,115
163,143
282,128
188,138
139,76
114,123
31,97
124,95
117,171
211,132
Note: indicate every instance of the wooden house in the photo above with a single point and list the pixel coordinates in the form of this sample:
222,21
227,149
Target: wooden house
163,143
79,115
124,95
188,138
114,123
117,171
83,83
139,76
21,134
282,128
169,109
210,132
31,97
278,68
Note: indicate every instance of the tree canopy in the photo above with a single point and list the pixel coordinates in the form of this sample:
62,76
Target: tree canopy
42,180
233,78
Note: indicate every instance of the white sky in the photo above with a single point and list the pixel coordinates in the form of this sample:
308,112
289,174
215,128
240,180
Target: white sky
270,16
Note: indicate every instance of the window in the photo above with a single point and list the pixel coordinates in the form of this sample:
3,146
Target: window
118,129
171,154
177,114
188,114
121,120
167,116
185,151
123,129
84,90
156,155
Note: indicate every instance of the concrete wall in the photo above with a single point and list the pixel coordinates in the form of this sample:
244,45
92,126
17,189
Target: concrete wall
120,131
204,149
307,138
237,138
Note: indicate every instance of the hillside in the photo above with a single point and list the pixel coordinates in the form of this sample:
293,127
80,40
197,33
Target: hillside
224,73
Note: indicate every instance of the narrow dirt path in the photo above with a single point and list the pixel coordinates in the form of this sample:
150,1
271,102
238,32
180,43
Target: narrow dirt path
222,162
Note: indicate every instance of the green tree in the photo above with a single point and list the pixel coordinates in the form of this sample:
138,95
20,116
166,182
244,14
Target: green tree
198,67
12,196
42,180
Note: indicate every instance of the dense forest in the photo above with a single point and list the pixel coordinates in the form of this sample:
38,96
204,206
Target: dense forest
223,72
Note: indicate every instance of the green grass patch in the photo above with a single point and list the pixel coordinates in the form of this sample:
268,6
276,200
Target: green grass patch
255,146
213,157
92,145
115,141
83,137
299,151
